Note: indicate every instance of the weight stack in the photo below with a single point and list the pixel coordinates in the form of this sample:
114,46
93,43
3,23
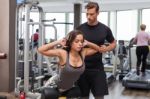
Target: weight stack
20,69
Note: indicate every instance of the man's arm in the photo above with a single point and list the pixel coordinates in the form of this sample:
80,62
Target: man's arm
109,47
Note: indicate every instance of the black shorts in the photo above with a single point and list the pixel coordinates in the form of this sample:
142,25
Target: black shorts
95,81
54,93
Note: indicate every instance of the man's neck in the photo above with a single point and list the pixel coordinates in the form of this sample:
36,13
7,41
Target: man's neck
93,24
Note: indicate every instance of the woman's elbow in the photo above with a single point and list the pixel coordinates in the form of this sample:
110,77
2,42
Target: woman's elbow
39,50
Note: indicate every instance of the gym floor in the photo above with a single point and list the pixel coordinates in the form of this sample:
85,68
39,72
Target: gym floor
116,91
8,95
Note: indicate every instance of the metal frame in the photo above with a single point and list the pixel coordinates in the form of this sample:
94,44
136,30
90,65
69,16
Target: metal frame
27,7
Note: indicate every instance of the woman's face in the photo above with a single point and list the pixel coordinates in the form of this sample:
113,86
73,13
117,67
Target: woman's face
77,44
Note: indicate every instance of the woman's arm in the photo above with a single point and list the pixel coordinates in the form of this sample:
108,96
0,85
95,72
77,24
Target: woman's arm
92,48
49,50
134,40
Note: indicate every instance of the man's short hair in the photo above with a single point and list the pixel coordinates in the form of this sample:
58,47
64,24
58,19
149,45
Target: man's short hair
91,5
37,30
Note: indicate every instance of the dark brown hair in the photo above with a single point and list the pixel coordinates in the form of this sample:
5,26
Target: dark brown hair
71,37
91,5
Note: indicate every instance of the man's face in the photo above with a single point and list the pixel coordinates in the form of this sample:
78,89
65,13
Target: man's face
91,15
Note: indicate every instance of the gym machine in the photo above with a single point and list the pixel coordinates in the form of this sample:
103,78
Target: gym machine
124,59
132,80
23,27
3,55
108,66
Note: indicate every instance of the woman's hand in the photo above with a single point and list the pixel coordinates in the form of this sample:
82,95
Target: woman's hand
85,43
62,42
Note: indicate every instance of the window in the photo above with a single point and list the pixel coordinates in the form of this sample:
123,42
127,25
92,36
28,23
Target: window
71,20
103,17
126,24
50,33
20,1
145,18
113,23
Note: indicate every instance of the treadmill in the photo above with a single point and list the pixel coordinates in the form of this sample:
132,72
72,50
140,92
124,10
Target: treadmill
132,80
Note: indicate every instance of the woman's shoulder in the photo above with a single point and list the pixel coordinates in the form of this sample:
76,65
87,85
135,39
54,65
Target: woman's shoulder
82,54
62,51
63,57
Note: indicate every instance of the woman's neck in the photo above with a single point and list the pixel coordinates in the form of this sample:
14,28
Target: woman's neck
73,53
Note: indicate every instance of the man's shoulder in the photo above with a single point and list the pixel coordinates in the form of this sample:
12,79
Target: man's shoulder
102,25
36,34
81,26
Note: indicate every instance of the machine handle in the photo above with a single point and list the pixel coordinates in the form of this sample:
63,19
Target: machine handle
3,55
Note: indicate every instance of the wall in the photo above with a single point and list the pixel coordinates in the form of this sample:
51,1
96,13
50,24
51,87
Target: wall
105,5
7,45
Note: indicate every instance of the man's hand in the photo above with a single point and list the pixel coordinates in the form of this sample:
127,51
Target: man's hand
103,49
107,47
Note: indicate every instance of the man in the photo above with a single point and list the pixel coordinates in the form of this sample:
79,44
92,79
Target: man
35,37
94,77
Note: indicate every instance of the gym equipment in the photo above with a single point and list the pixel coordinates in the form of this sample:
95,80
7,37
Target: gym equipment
23,32
22,95
49,92
124,60
109,72
110,77
132,80
3,55
108,66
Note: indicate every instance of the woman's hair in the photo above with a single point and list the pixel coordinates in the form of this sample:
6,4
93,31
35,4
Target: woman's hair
143,27
71,37
91,5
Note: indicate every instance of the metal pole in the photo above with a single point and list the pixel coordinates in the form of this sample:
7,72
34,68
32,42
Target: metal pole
77,14
18,30
40,41
116,51
26,48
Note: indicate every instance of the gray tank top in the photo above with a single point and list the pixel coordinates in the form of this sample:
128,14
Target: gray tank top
68,75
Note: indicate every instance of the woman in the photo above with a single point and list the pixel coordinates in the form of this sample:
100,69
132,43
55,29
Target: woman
71,58
142,49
